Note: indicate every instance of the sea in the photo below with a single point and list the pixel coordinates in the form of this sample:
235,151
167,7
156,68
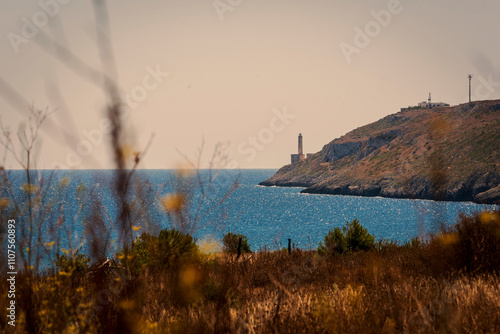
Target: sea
211,207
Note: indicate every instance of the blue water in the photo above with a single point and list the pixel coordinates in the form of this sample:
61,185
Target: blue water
267,215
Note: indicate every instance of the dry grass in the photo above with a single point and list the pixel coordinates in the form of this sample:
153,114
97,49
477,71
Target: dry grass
394,289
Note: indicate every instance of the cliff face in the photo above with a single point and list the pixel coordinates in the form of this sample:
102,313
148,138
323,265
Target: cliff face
445,153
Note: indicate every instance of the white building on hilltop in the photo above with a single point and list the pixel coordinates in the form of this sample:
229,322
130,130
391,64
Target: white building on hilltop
428,104
425,104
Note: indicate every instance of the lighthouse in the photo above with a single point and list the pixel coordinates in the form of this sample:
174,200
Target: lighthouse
301,149
300,154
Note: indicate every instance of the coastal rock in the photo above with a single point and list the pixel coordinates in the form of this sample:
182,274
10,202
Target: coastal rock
489,196
445,153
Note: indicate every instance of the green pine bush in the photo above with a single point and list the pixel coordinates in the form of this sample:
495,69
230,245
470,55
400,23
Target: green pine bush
168,249
335,243
353,237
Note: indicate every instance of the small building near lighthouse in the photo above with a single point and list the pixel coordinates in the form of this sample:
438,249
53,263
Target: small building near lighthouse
300,154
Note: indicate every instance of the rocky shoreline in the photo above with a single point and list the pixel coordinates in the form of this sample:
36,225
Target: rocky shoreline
490,196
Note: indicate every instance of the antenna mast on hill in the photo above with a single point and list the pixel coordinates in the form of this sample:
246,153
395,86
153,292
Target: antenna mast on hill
429,104
470,77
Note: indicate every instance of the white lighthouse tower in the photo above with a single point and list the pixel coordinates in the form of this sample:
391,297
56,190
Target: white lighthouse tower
301,149
300,154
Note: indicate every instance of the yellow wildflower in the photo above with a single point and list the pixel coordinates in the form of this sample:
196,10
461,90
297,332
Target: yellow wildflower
173,202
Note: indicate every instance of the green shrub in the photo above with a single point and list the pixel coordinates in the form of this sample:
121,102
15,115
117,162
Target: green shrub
168,249
231,241
142,253
352,237
335,243
174,245
357,237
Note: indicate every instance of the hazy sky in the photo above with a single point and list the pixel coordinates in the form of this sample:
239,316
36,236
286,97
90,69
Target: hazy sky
251,73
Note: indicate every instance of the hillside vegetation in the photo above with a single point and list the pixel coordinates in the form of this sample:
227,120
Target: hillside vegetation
445,153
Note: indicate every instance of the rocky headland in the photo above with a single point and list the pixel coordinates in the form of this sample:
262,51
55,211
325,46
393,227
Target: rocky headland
444,153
